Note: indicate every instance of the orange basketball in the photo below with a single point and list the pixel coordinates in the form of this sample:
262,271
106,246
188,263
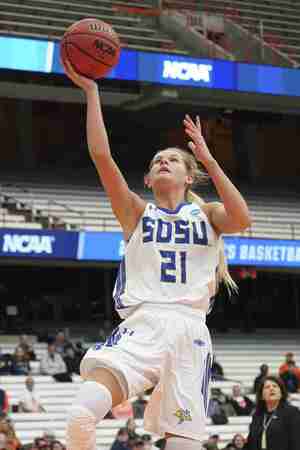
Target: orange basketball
92,47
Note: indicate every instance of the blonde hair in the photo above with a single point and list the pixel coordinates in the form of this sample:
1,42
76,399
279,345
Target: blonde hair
200,177
222,275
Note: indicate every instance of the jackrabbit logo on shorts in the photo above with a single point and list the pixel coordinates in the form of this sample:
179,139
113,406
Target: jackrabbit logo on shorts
184,415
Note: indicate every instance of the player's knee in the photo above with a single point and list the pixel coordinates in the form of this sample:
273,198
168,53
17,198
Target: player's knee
94,398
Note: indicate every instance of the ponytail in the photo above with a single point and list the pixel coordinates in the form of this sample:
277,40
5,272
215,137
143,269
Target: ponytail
223,275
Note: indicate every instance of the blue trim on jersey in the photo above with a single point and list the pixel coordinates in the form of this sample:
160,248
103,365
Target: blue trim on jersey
173,211
120,285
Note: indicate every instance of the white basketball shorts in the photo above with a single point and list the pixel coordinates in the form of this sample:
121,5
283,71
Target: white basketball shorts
169,347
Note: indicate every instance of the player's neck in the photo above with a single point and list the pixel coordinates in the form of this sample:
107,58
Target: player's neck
170,201
169,204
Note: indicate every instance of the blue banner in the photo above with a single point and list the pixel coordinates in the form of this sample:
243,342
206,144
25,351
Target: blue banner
162,68
45,244
262,252
240,251
26,54
110,246
100,246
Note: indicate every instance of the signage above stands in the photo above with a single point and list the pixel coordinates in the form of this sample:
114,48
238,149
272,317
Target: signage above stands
185,71
162,68
46,244
262,252
110,246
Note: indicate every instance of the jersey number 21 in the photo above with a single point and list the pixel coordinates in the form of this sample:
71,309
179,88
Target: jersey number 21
173,266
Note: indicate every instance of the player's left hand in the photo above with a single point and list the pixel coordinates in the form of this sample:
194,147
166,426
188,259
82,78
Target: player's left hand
197,144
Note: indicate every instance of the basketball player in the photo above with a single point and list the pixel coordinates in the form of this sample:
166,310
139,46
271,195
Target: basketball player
173,262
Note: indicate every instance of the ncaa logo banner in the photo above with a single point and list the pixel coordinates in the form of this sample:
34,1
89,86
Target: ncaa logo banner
50,244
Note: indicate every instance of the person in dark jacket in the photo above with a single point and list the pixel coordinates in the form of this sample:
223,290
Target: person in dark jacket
275,424
263,373
121,441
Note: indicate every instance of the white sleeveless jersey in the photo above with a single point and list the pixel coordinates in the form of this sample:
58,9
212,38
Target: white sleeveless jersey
171,257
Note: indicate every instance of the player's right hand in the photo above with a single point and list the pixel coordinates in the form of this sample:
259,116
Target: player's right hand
83,82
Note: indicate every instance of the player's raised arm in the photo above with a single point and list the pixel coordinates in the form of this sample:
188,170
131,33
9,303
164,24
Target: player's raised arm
233,215
126,205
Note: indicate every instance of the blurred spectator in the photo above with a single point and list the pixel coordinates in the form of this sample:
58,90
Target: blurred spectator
138,445
57,445
290,379
289,359
53,364
238,441
121,440
131,428
49,437
212,443
30,400
4,406
71,360
264,371
42,444
130,443
217,372
26,347
79,350
7,428
19,363
229,446
5,363
148,442
241,404
139,406
218,408
61,343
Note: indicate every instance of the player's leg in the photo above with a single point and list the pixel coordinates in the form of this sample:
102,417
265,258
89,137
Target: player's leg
126,364
180,443
181,405
97,395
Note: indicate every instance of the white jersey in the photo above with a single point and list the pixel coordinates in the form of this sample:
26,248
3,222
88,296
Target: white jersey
171,257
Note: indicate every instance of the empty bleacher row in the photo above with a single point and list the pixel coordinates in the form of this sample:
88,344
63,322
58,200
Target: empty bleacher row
79,207
50,19
277,22
240,356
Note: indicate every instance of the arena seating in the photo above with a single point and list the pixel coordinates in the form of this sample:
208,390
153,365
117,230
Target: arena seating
81,207
240,355
16,220
276,22
134,21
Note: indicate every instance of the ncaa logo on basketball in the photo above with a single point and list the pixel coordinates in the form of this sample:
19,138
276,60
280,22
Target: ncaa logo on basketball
104,48
27,243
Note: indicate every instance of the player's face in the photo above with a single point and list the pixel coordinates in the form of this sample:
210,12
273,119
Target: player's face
271,391
168,167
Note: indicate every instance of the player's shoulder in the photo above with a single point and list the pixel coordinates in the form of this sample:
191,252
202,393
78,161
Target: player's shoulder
209,207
